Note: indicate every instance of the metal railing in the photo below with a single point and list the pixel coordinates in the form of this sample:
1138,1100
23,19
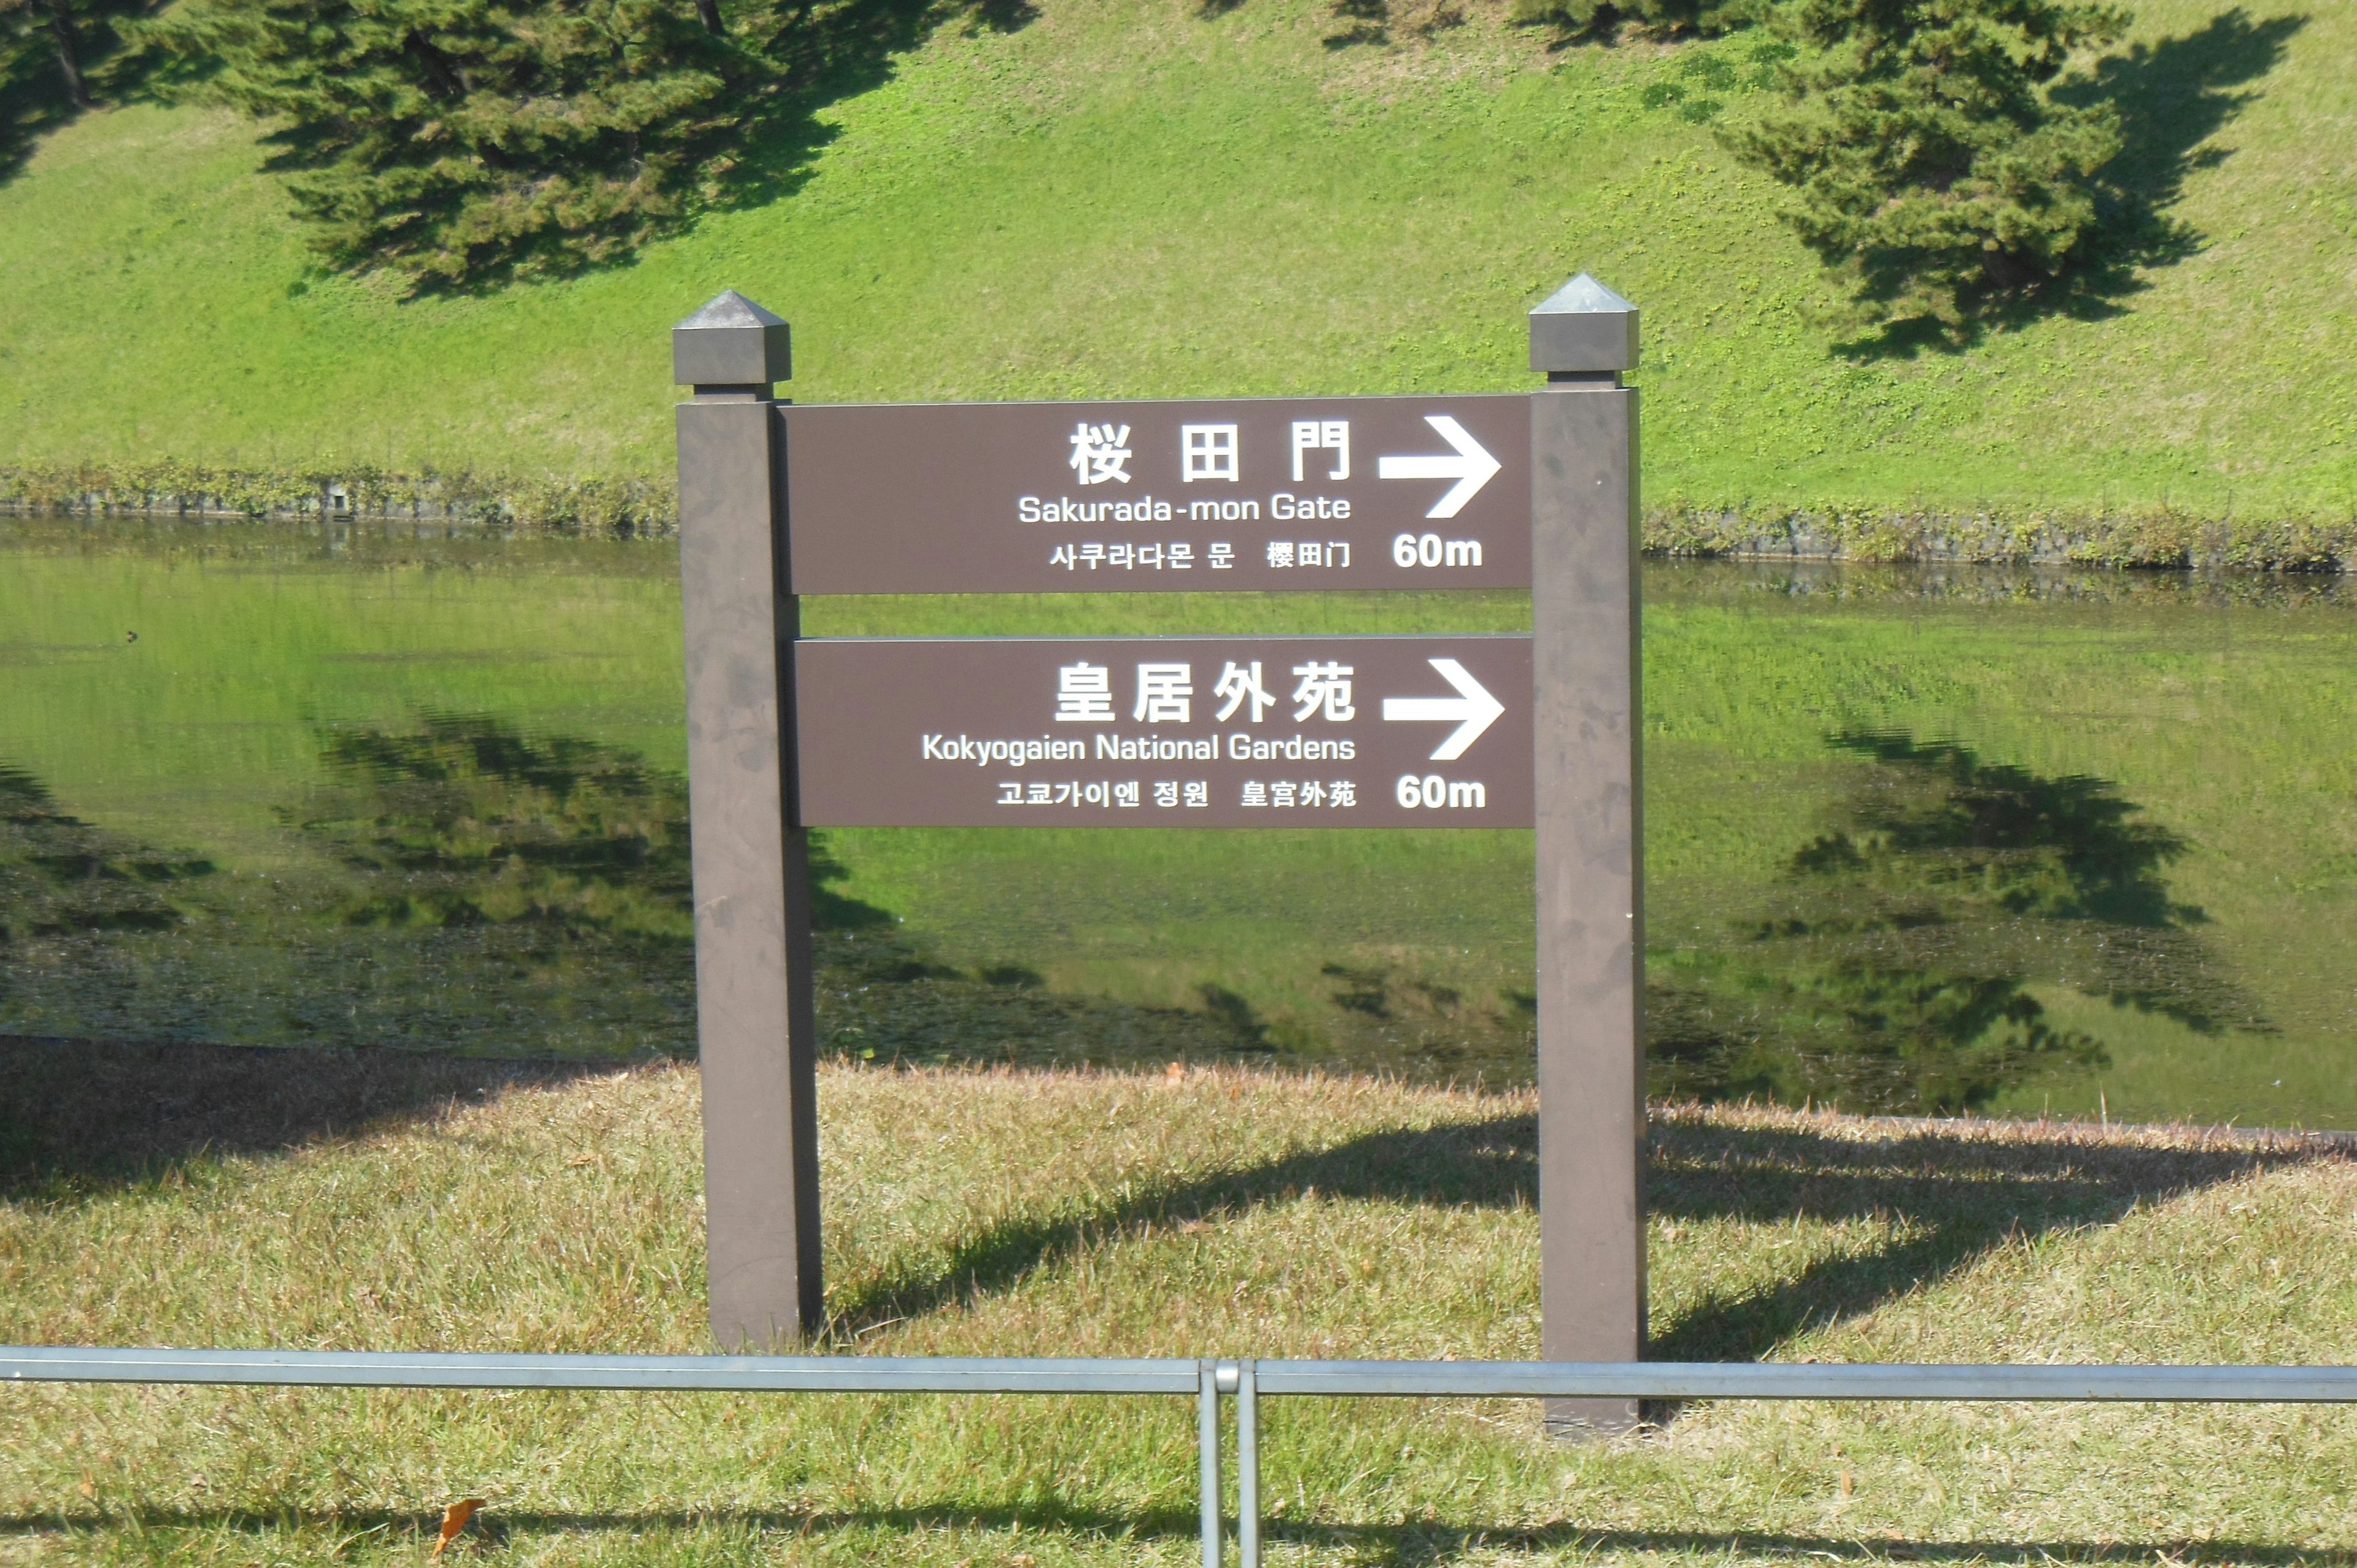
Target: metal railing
1208,1380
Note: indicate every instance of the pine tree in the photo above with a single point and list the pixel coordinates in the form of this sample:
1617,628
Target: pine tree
1933,165
454,140
56,20
56,58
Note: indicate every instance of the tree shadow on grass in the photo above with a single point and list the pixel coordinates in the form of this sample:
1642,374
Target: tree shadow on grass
79,1113
829,51
2172,96
1412,1545
1953,1195
30,108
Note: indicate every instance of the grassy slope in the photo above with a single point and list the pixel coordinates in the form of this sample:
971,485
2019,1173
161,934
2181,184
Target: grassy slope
1124,198
1119,1215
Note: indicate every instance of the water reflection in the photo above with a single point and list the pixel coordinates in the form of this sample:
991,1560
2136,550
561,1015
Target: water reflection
495,890
59,875
1892,966
477,887
76,904
517,865
479,890
465,820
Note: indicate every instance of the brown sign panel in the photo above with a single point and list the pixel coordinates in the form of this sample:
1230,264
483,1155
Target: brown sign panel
1225,732
1254,493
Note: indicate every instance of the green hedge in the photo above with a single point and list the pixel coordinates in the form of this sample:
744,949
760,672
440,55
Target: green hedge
616,506
2145,536
634,506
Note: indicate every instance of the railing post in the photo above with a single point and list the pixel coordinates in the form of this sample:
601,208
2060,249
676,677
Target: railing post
1591,841
753,987
1206,1457
1247,1466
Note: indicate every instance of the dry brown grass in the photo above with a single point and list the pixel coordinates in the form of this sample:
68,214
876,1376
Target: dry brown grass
1092,1213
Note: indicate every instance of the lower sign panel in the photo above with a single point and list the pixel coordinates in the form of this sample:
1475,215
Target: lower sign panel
1266,732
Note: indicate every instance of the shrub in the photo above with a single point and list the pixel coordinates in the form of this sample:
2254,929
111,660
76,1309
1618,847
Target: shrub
1933,169
453,140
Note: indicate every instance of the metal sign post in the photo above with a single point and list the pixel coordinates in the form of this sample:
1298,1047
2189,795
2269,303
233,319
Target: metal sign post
1511,491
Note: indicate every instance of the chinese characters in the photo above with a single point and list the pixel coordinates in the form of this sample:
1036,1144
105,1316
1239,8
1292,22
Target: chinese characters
1207,452
1165,692
1084,694
1322,434
1100,453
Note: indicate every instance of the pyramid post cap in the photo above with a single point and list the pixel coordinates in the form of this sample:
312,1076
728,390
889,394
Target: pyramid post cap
1584,327
1582,296
731,341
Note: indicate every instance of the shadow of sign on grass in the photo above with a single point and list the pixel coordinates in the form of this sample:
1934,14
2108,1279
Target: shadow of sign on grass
78,1114
1890,969
1948,1197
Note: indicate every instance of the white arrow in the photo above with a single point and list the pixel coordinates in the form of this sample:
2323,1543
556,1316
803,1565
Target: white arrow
1473,710
1471,467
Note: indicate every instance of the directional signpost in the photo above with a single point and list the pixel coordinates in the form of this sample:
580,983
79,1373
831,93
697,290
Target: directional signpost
1262,493
785,734
1165,732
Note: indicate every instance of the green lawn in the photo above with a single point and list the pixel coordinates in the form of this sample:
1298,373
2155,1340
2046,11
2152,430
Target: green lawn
1129,198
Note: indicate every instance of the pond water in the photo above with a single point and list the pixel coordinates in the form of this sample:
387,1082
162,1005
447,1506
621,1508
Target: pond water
2014,842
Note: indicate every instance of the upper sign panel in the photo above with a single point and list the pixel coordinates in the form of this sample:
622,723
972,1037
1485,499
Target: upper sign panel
1261,493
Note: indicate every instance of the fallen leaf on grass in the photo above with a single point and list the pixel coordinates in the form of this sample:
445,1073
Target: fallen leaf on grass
87,1488
453,1520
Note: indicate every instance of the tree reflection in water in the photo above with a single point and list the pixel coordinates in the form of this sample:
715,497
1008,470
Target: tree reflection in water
541,885
68,888
1891,969
59,875
479,888
465,821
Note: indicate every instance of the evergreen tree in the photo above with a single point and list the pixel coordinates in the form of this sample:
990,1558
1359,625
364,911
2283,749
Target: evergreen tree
38,28
56,58
1934,168
455,140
